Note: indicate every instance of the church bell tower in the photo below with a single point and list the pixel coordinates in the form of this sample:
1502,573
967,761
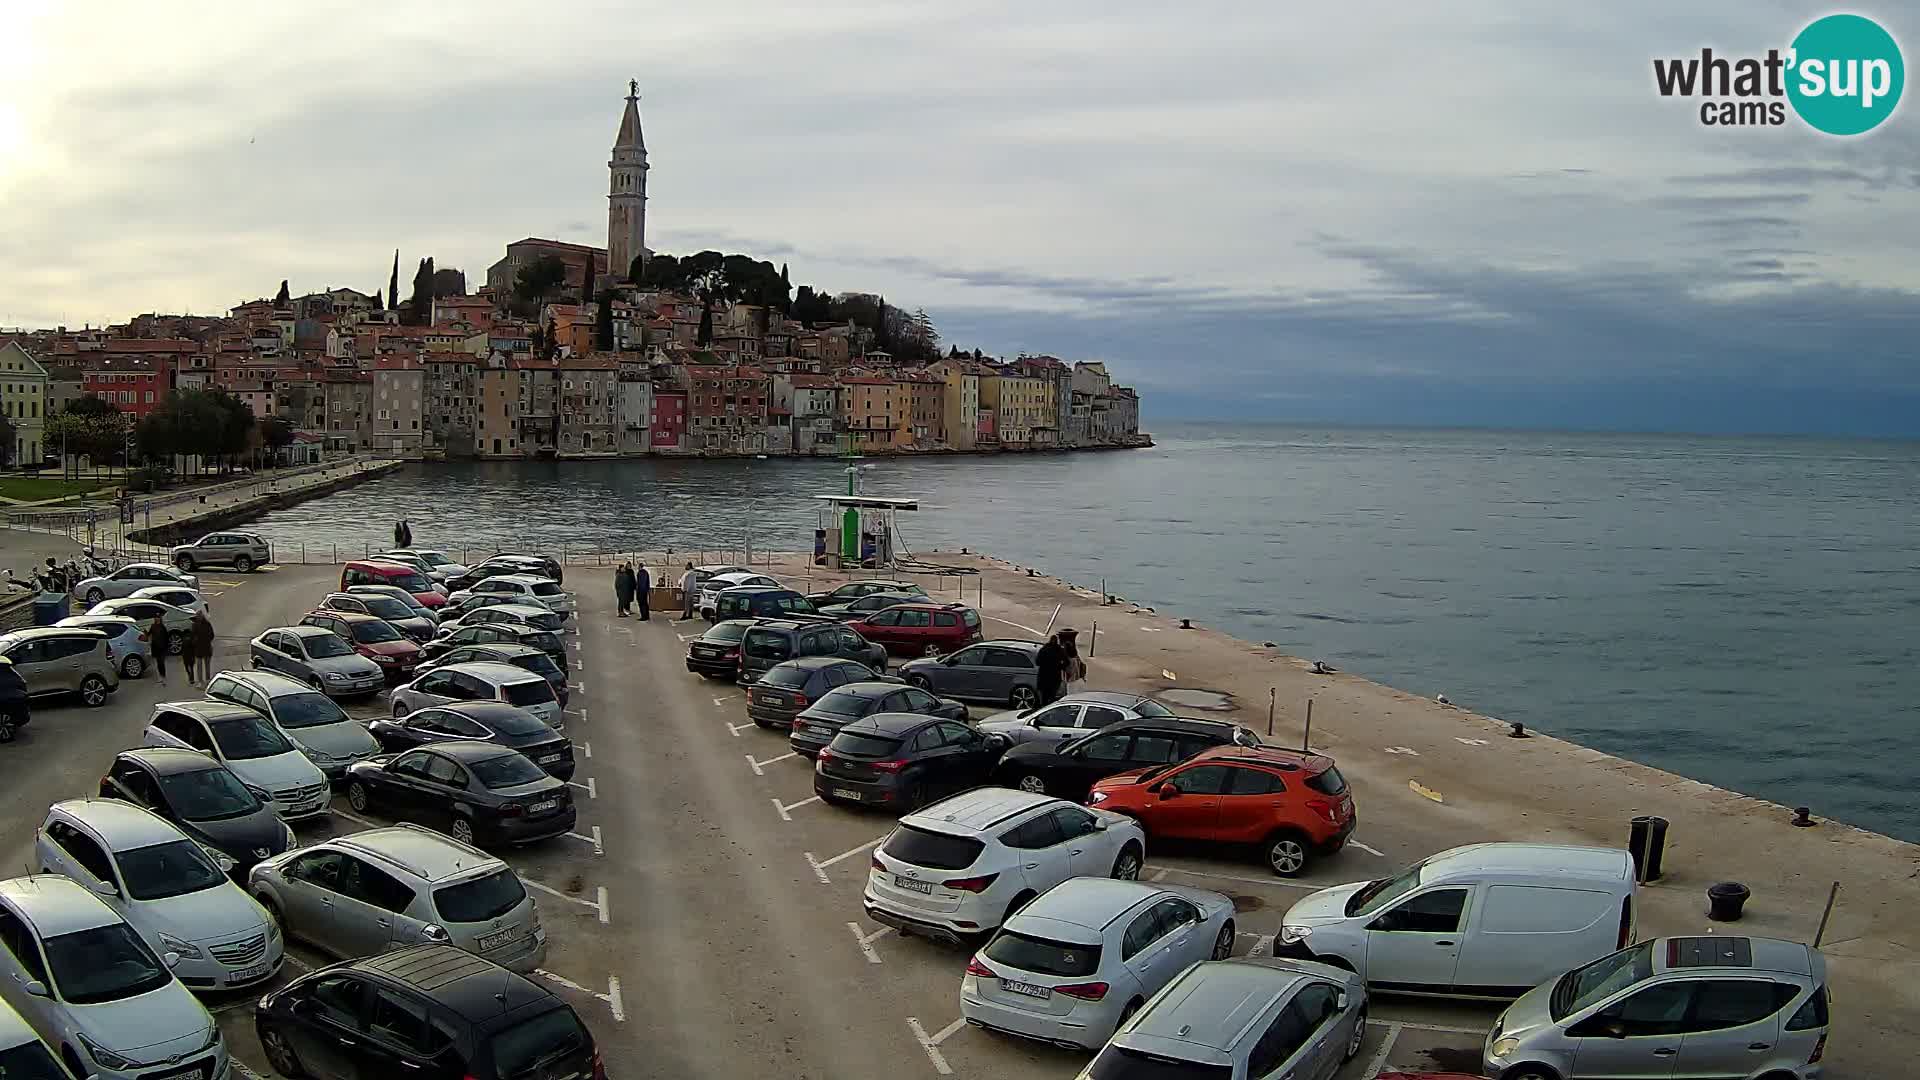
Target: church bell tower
627,191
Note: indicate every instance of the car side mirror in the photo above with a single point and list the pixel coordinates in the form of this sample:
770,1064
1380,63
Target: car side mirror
171,959
436,934
106,888
1168,791
1339,1001
36,988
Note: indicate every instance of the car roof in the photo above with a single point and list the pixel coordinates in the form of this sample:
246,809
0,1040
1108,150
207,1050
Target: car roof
34,633
1718,953
517,629
816,663
347,616
472,986
169,760
486,712
1099,697
507,648
178,586
1021,644
271,683
1212,1004
1556,860
115,603
1191,725
79,622
305,630
14,1031
57,905
739,590
930,605
733,575
892,724
711,569
378,563
150,566
523,579
784,625
121,824
867,688
495,670
1089,903
729,622
423,851
207,709
977,810
522,609
1275,757
468,749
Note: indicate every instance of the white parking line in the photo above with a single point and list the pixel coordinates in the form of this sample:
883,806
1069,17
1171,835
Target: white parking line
725,699
592,791
735,729
351,816
785,809
1249,880
1157,875
1365,848
598,849
602,905
241,1067
1380,1056
820,868
1262,947
866,941
759,765
585,747
1010,622
931,1044
551,891
615,1002
578,666
1478,1033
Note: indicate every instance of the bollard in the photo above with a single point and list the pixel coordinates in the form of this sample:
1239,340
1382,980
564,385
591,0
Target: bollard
1647,843
1803,817
1726,900
1186,624
1518,731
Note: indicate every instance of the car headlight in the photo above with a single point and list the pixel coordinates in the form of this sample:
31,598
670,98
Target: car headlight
106,1058
219,858
1099,797
333,676
318,755
1291,934
273,928
182,946
213,1036
1502,1047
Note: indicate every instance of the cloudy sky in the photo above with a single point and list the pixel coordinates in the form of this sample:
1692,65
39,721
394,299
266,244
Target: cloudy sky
1372,212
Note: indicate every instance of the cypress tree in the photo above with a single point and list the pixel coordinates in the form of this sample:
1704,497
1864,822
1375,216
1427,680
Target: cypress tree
393,283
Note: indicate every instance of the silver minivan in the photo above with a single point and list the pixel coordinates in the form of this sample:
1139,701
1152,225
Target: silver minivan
484,681
310,720
62,660
364,894
1681,1007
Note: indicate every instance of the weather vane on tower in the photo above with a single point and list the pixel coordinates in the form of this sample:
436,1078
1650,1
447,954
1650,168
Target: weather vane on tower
633,89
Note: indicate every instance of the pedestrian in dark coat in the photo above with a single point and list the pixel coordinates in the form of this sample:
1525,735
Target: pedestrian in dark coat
399,534
623,588
1052,663
406,533
200,649
157,647
642,590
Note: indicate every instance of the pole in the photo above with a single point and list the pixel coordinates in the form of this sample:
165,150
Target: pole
1271,696
1093,639
1051,618
1832,894
1307,735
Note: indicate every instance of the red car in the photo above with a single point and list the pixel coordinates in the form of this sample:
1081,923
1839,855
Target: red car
371,637
1290,805
921,629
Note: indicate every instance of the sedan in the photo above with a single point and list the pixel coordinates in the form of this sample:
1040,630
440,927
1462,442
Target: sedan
1074,964
497,633
375,639
477,792
786,688
453,611
854,590
178,622
417,626
902,760
814,726
318,657
1067,770
178,595
127,579
716,653
1072,716
479,721
520,656
862,606
204,799
538,616
1003,672
439,566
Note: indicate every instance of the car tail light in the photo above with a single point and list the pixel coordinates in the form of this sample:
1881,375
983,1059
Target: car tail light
975,967
877,865
970,884
1819,1050
1092,991
599,1066
730,654
512,810
800,700
891,766
824,755
1326,808
1626,923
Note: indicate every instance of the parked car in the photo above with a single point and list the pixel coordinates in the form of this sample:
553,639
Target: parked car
712,587
505,633
1485,920
476,1019
373,572
958,868
902,760
1084,956
921,629
538,617
540,565
310,720
416,627
177,622
399,594
124,581
1069,769
543,590
786,688
63,660
504,683
854,590
166,886
241,550
408,558
1002,671
520,656
1250,1018
204,799
479,792
702,573
318,657
247,744
479,721
774,641
382,889
1072,716
815,726
91,986
454,612
764,602
126,641
716,653
375,639
1719,1006
1289,806
862,606
439,566
23,1054
178,595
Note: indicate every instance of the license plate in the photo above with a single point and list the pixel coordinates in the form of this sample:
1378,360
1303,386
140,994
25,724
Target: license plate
846,793
257,971
1028,989
916,886
770,699
551,758
543,806
489,942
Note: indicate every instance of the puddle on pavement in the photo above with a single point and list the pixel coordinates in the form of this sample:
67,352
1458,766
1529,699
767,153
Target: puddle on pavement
1192,698
1244,903
1454,1059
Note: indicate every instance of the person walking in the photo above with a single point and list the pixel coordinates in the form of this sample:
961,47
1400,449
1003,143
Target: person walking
642,587
399,534
1052,663
14,710
156,636
406,533
200,649
689,592
623,588
1075,669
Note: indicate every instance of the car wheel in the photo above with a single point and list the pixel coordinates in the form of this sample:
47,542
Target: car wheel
461,829
1126,865
183,563
919,680
279,1054
1223,945
6,731
94,596
244,564
1530,1072
176,642
73,1061
1023,697
1358,1037
93,691
1287,853
357,797
1031,782
1126,1014
133,666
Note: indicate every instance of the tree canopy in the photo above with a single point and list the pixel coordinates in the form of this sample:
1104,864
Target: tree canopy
211,424
540,278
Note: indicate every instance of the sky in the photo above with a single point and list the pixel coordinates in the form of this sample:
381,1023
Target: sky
1474,213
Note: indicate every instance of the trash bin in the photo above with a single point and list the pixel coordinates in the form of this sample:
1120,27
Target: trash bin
1725,901
1647,841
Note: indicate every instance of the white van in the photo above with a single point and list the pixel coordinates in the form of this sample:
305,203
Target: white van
1486,920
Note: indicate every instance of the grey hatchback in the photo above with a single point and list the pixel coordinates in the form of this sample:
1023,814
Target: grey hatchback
786,688
1002,672
773,641
816,725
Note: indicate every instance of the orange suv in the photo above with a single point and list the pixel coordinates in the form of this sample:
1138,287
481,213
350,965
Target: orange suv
1291,805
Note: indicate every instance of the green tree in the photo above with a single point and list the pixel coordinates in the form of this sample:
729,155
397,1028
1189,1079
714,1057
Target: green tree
603,323
540,278
281,299
705,336
276,434
6,441
393,283
447,281
420,304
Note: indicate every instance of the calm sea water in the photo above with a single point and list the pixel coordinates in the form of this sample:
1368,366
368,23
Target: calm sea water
1743,611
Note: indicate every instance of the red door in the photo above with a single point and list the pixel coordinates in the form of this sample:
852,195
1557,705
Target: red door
1192,810
882,627
916,630
1252,805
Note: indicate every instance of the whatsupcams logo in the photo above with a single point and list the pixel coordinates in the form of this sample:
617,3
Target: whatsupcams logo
1842,75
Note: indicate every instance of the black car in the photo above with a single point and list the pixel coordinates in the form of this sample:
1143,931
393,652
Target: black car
540,617
525,657
763,602
862,606
1068,770
788,687
493,722
772,641
203,799
854,590
498,634
903,760
814,726
455,610
480,792
537,565
716,653
431,1011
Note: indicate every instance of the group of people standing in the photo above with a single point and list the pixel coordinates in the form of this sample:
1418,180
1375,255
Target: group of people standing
630,584
402,534
196,650
1060,664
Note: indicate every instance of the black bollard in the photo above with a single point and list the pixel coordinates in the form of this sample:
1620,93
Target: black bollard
1725,901
1647,842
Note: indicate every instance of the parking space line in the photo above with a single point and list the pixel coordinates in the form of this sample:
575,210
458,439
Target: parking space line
1379,1061
551,891
601,892
785,809
931,1043
614,1001
1157,875
1365,848
820,868
585,747
1410,1025
594,840
1262,946
351,816
735,729
1310,887
759,765
687,637
589,787
241,1066
865,941
726,698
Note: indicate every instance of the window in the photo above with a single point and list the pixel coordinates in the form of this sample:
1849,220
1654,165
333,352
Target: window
1061,959
20,942
942,618
442,771
1099,716
403,1023
913,617
1436,912
1074,822
1041,832
1154,749
372,885
1202,780
186,730
339,1000
1731,1003
84,851
1057,716
1105,748
919,700
1812,1012
956,734
1142,932
1283,1039
1253,782
1660,1009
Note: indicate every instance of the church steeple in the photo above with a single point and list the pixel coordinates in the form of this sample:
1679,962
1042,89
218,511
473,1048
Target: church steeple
627,191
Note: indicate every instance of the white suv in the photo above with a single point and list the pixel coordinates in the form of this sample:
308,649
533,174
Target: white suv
387,888
521,587
956,869
483,681
166,886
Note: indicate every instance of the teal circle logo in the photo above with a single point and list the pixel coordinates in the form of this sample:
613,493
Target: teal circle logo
1846,74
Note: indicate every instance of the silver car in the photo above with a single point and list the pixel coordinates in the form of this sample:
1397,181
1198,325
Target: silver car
178,595
310,720
439,566
485,681
1248,1019
318,657
1004,672
177,621
418,627
381,889
131,577
62,660
1072,716
1680,1007
711,588
240,550
126,641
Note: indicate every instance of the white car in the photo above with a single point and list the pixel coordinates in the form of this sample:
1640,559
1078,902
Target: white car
712,587
93,989
1073,965
309,719
178,595
21,1051
484,681
166,886
439,566
958,868
250,747
521,587
129,578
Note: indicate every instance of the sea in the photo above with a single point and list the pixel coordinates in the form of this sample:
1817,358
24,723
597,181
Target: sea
1744,611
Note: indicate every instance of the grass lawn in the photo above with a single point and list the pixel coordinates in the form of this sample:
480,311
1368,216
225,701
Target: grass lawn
36,488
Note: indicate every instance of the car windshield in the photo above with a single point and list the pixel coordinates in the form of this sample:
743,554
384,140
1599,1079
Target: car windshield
30,1061
434,558
106,963
307,709
785,676
386,607
842,703
548,588
523,1048
516,722
1601,979
242,738
537,662
544,640
933,850
326,646
507,770
374,631
727,633
411,580
531,692
766,645
1063,959
1329,782
1151,709
1122,1063
208,795
1375,895
481,899
174,868
545,620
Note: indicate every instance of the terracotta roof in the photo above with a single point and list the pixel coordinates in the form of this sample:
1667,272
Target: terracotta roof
104,364
150,345
864,380
397,362
556,244
812,382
